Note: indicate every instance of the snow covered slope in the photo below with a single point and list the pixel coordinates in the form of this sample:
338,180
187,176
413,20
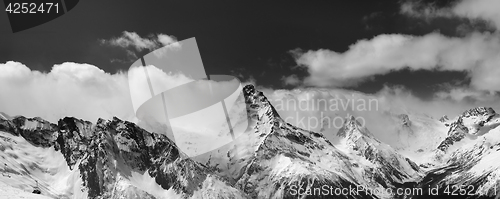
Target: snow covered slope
417,134
274,156
392,167
25,167
8,191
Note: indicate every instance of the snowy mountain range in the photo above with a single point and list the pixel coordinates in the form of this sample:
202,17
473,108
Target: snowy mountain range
458,158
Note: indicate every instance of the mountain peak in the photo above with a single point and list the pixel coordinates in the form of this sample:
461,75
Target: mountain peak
350,125
353,122
258,105
249,89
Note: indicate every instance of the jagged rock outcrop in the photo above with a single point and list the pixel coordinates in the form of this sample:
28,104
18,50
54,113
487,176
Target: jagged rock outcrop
456,133
479,111
73,139
405,120
7,125
444,118
37,131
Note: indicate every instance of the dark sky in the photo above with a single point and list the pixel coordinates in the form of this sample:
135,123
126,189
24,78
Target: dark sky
249,37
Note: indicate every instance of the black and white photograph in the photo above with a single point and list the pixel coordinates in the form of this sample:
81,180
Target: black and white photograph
171,99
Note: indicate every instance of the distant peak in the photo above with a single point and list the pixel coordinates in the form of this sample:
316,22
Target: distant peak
353,121
20,120
405,120
350,125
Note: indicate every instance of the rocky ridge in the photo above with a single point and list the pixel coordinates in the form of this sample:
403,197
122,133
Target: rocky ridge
110,153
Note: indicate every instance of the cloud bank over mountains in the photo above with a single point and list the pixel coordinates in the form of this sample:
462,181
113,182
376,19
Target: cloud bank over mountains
78,89
69,89
477,53
85,91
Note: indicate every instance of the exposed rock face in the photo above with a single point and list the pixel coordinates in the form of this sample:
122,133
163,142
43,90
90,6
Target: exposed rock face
8,126
444,119
36,130
456,133
405,120
257,102
479,111
73,139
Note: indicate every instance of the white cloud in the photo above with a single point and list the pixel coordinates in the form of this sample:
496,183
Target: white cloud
488,10
132,39
478,54
160,81
165,39
460,94
291,80
425,11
